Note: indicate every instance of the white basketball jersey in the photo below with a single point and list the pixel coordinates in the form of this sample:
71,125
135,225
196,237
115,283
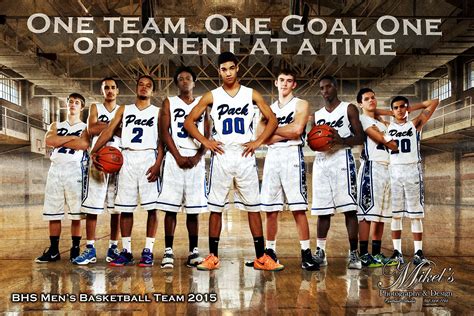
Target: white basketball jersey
140,127
179,110
103,115
286,115
232,116
64,154
408,141
373,151
337,119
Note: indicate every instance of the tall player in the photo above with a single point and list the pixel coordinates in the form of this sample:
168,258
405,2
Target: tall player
374,204
284,173
101,187
142,155
233,159
184,169
64,185
406,174
334,173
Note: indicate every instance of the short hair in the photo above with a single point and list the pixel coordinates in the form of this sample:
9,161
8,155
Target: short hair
76,95
225,57
399,98
107,79
362,92
287,71
330,78
148,77
181,69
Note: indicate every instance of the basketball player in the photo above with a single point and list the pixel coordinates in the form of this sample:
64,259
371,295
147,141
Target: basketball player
142,155
233,159
184,169
64,185
374,204
406,174
334,173
101,187
284,173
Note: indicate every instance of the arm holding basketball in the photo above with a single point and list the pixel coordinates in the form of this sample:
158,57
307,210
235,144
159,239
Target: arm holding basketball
270,127
52,139
108,132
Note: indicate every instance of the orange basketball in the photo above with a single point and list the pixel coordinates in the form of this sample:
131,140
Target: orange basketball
320,136
110,158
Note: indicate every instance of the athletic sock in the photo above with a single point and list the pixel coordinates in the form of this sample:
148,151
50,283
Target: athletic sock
169,241
259,246
149,242
193,242
214,245
418,245
76,241
127,244
271,244
54,240
397,245
376,247
321,243
305,244
364,247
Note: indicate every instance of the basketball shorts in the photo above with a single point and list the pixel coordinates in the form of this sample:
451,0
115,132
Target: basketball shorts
229,168
334,183
101,190
183,188
64,191
374,200
133,187
284,179
407,190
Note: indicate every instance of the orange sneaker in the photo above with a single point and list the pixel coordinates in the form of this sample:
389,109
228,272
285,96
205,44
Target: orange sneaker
210,263
265,262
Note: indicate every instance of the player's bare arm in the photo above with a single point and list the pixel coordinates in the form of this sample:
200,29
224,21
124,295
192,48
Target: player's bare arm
377,136
108,132
358,138
202,149
94,126
81,143
154,171
52,139
270,127
165,137
193,117
429,107
298,126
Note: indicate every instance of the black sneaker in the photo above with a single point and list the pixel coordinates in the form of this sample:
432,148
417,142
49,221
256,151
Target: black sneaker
74,252
272,255
419,258
320,257
48,256
307,261
397,257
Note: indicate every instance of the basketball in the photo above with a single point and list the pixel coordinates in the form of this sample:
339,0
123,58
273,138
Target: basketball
319,137
110,158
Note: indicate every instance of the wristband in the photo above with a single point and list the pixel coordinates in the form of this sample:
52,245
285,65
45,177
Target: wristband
387,138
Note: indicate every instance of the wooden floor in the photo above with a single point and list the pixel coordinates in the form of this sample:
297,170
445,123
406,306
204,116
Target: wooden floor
237,289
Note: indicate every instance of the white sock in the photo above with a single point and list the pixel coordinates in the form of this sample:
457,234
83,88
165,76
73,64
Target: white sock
418,245
304,244
271,244
149,243
91,242
169,250
127,244
397,245
321,243
113,242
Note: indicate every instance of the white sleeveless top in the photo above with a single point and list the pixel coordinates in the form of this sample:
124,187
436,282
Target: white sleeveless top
408,141
64,154
103,115
337,119
285,116
140,128
232,116
373,151
179,110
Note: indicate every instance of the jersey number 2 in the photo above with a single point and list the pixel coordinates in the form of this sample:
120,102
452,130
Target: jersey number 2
139,133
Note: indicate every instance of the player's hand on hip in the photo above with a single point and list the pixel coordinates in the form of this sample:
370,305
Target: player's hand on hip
214,146
249,148
153,173
96,162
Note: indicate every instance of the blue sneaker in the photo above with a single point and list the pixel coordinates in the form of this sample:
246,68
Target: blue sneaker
146,259
112,253
124,259
88,256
